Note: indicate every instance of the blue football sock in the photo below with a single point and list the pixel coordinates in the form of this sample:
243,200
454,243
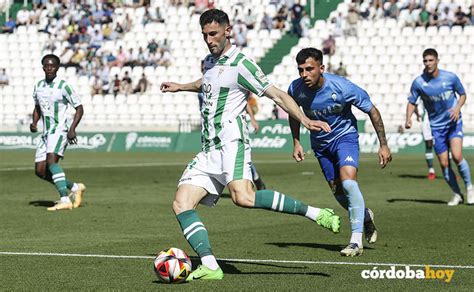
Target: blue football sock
450,178
463,168
356,205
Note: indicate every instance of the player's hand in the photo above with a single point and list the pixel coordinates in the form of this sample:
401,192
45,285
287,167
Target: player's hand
454,114
298,153
408,124
315,125
71,137
33,128
255,125
169,87
384,156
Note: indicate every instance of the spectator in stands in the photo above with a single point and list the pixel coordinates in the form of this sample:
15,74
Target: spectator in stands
165,45
471,14
96,39
329,46
9,26
339,23
126,84
410,18
132,58
142,58
250,19
305,24
423,18
97,86
158,16
165,58
352,20
341,70
392,9
240,37
280,18
4,78
122,57
296,15
461,17
107,32
22,17
116,85
152,46
127,24
267,22
434,18
142,85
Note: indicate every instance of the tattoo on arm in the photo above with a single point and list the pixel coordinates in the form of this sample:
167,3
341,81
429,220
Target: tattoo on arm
377,122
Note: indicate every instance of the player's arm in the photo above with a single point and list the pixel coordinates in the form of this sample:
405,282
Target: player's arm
456,111
384,152
36,117
287,103
71,134
298,151
176,87
411,108
253,121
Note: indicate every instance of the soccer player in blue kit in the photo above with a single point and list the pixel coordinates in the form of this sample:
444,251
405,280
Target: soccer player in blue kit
329,98
437,88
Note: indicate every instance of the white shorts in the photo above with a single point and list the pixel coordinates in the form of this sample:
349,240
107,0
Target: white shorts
51,143
215,169
426,129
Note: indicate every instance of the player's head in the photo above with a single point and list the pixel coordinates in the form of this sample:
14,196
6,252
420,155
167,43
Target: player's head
310,66
50,64
216,30
430,60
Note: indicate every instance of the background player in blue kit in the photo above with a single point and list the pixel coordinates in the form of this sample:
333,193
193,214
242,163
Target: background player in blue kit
437,88
329,98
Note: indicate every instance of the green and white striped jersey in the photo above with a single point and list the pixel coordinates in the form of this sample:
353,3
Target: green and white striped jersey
53,99
225,86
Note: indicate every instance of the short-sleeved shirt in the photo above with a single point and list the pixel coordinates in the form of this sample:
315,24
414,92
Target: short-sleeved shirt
332,104
438,95
225,86
53,99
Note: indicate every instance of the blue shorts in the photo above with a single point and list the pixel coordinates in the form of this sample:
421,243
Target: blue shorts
442,137
342,152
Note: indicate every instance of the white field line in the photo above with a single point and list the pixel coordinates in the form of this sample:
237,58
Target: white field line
10,253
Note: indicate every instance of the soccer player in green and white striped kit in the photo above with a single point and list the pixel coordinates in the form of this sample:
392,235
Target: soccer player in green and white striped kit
52,96
225,156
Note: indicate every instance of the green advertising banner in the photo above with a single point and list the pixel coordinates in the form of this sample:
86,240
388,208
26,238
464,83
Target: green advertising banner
274,136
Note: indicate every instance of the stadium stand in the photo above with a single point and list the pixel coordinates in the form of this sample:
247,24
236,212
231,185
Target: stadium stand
385,57
382,55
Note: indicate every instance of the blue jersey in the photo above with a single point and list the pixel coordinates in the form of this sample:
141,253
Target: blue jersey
331,104
438,95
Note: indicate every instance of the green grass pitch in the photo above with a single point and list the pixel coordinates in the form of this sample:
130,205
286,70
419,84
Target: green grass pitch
127,211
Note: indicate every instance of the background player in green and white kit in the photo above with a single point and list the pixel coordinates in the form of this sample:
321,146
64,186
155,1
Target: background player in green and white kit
225,156
52,97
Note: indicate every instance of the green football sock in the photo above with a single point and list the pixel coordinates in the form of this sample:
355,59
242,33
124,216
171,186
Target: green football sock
59,179
272,200
195,232
49,178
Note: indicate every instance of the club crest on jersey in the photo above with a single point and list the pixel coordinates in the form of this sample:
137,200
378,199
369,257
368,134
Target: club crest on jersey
333,96
220,71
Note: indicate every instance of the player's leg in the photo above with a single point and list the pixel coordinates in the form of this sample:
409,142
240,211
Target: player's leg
463,167
428,137
257,180
441,148
186,199
59,179
236,168
244,196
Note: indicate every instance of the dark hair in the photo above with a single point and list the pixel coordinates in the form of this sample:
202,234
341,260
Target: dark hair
214,15
430,52
306,53
51,56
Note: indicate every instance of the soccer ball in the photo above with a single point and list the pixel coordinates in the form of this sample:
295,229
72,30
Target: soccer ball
172,265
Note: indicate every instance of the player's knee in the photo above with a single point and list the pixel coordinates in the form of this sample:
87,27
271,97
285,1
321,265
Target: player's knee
243,198
40,173
180,206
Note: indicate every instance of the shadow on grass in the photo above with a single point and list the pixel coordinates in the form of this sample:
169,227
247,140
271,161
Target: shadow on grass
417,176
42,203
417,201
330,247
